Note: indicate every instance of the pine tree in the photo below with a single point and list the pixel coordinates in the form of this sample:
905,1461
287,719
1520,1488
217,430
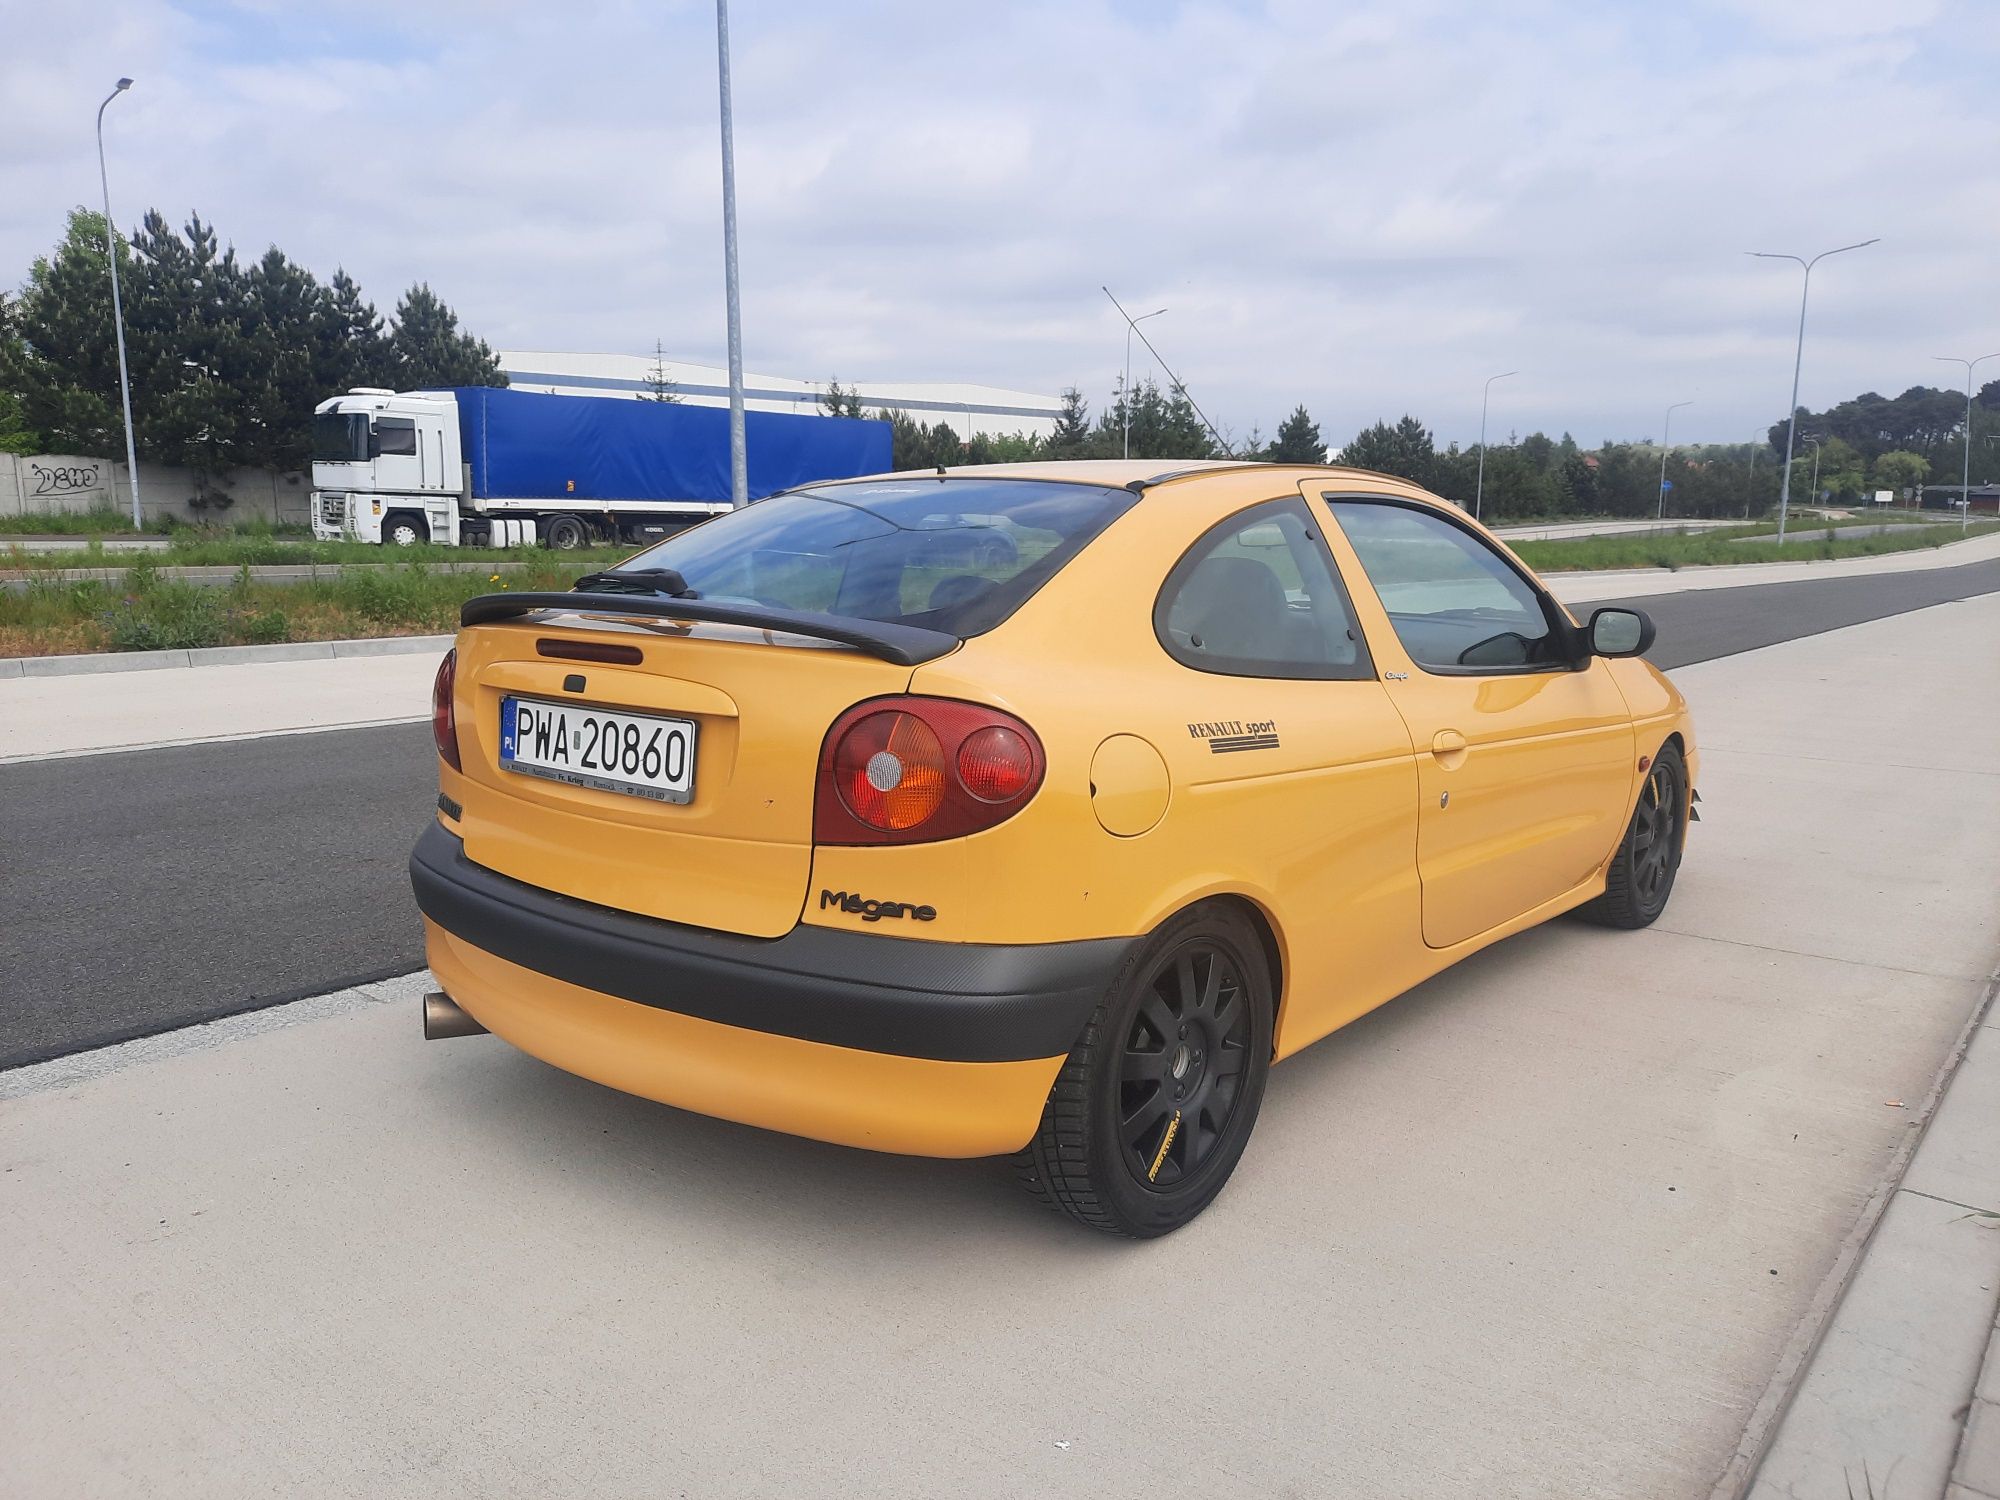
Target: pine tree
1072,429
355,350
191,356
840,401
659,385
1298,441
65,365
1405,450
427,351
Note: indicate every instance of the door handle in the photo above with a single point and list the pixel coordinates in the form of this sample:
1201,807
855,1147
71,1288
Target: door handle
1447,742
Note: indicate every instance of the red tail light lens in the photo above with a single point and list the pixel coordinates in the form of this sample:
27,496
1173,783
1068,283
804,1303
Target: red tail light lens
995,764
910,770
444,718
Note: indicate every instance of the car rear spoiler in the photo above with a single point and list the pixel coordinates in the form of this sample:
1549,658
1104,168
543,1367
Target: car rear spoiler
905,645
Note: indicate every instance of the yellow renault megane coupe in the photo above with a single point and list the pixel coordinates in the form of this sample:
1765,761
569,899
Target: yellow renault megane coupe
1034,809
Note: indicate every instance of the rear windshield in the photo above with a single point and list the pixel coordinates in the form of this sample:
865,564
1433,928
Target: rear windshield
957,555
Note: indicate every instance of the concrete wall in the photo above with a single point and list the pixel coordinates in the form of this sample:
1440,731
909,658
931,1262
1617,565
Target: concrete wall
62,483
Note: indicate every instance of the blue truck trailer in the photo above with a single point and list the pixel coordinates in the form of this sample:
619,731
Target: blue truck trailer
483,465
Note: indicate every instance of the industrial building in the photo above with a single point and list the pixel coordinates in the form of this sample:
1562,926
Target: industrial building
979,408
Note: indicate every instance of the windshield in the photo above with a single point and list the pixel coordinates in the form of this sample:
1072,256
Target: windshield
340,437
957,555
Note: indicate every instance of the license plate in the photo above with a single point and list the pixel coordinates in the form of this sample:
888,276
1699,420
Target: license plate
643,755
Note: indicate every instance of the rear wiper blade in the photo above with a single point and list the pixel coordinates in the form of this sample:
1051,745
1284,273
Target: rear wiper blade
663,581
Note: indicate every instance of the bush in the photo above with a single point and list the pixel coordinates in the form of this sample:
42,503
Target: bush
166,617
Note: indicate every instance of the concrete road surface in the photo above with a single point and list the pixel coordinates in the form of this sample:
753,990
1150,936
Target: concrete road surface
1540,1228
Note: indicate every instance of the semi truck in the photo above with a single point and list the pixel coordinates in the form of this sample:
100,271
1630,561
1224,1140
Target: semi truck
487,466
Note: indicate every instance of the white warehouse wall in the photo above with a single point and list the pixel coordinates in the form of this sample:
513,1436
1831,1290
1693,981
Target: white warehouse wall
972,408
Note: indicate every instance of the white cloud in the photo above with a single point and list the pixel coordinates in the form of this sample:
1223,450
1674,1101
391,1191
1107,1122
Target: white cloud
1367,208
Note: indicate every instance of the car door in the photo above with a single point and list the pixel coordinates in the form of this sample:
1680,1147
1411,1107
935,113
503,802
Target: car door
1525,749
1283,744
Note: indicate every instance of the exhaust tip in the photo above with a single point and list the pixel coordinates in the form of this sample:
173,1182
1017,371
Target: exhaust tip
443,1018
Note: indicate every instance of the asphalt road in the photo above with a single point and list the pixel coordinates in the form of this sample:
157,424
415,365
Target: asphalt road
158,888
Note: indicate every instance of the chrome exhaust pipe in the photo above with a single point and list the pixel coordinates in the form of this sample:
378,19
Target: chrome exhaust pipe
443,1018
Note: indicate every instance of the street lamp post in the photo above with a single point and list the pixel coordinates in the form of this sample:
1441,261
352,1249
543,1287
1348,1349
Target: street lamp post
1798,358
1816,442
1126,399
739,462
1479,485
118,305
1660,514
1965,488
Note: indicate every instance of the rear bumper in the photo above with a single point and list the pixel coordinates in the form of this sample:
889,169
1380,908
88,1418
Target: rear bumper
943,1049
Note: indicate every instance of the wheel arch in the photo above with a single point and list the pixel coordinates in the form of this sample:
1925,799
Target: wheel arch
1261,923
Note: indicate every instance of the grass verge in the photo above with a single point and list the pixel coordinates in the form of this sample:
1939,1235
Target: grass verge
145,612
1722,546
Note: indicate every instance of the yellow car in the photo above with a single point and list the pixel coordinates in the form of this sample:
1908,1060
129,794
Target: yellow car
1034,809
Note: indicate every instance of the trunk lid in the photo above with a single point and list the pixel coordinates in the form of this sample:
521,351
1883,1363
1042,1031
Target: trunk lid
737,855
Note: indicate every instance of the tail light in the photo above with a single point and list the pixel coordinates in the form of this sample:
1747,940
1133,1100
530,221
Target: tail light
444,718
910,770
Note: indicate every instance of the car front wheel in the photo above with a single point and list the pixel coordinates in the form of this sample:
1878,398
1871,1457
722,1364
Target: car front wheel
1155,1104
1649,856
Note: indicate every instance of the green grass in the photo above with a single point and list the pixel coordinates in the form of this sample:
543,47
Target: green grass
141,611
1715,548
209,549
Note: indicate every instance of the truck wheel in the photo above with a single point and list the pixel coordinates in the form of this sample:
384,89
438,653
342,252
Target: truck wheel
1150,1114
403,530
564,534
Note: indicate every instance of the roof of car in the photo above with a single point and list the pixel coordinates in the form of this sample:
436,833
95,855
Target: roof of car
1119,472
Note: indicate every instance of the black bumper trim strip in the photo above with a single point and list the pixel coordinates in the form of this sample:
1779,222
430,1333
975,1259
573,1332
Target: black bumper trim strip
951,1002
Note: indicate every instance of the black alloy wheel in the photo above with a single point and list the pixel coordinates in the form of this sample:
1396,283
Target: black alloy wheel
1181,1076
1153,1107
1642,872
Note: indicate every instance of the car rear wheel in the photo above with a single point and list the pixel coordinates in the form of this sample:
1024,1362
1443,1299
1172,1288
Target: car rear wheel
1649,857
1151,1112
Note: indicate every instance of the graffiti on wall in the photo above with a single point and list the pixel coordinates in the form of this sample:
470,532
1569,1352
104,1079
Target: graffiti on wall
63,479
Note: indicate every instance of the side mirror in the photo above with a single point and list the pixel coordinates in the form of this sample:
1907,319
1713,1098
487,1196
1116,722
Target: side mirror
1620,632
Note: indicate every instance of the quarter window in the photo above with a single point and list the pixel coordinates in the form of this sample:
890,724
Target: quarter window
1257,597
1456,604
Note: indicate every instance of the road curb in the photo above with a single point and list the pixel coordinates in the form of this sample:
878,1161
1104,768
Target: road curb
91,663
1795,1363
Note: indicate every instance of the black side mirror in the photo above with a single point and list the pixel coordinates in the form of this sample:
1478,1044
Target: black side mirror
374,443
1620,632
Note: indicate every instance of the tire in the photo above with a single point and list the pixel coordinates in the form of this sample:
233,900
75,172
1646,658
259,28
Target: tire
564,534
404,530
1649,855
1155,1104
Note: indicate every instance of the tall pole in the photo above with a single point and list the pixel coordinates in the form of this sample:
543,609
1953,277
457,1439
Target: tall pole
1479,485
118,305
1798,359
739,461
1179,385
1125,400
1660,514
1965,486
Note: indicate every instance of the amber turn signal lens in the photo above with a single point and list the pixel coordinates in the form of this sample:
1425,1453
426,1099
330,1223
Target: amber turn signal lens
890,770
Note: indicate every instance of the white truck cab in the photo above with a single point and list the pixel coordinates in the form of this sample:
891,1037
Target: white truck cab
387,468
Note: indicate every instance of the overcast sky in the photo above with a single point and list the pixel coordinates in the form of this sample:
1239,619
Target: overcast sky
1368,208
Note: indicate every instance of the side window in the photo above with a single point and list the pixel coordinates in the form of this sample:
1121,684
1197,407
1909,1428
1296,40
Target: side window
1456,604
395,436
1257,597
